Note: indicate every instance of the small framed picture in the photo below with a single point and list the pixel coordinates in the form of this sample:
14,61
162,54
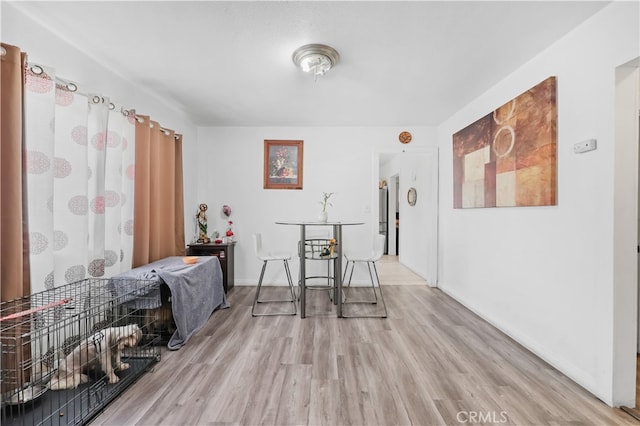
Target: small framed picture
282,164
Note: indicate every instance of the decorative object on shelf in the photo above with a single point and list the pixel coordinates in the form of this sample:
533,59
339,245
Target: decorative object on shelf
282,164
316,59
412,196
404,137
229,232
325,203
508,158
201,217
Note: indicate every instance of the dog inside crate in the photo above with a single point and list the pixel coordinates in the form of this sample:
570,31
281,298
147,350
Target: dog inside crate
66,351
101,352
159,322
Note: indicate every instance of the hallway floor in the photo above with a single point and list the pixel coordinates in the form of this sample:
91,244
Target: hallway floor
391,272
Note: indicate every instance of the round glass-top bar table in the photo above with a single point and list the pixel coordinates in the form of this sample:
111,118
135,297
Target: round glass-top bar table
337,257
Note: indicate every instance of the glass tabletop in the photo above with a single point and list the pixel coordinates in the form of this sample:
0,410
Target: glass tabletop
317,223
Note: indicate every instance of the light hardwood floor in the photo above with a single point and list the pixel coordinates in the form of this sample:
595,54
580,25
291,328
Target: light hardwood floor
431,362
635,411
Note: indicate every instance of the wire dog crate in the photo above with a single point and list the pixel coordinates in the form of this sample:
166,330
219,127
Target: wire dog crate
65,353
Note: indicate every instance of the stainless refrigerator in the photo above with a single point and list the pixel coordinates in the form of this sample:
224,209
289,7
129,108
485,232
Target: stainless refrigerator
383,227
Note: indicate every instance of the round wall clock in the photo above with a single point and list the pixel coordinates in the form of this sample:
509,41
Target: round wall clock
412,196
404,137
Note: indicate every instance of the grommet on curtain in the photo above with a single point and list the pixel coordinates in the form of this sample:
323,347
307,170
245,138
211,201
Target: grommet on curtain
96,99
128,112
71,87
112,106
36,69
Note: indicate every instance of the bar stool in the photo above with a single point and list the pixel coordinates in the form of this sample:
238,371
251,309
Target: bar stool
320,248
370,259
269,257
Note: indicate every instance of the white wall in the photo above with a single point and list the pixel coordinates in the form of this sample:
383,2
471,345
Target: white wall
544,275
342,160
44,47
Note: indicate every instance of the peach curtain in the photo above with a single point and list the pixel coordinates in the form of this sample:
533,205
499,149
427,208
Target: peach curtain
159,207
14,248
15,285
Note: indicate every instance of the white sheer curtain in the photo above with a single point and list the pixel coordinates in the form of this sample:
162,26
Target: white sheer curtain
80,183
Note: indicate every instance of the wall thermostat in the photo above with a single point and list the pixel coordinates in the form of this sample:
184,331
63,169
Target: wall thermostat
585,146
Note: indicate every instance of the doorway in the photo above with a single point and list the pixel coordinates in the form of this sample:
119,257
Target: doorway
626,220
397,217
635,410
392,213
388,176
416,240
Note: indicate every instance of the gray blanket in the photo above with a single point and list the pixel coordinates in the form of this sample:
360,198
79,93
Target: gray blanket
196,291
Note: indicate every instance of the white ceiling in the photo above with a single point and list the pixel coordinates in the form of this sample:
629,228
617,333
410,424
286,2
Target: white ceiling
228,63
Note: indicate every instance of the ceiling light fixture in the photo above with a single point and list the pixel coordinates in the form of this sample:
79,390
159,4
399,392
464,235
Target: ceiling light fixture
315,58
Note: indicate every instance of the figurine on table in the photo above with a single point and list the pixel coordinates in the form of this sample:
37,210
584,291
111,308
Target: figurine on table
202,223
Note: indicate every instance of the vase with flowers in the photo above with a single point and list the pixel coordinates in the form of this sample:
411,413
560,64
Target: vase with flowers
325,203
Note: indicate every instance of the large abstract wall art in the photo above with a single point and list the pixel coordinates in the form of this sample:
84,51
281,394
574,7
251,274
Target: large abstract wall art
508,157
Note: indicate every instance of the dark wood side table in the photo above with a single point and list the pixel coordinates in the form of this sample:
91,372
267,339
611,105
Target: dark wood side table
224,253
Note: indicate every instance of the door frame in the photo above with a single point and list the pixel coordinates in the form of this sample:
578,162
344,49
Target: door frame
625,233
